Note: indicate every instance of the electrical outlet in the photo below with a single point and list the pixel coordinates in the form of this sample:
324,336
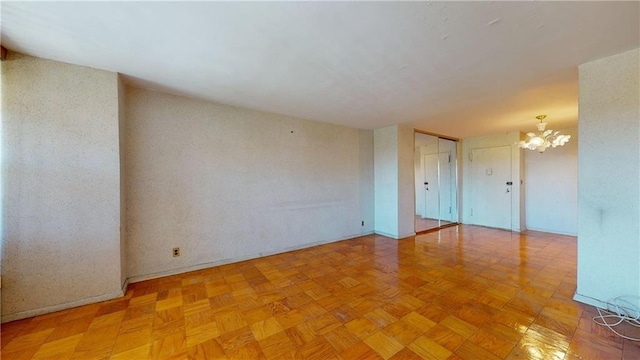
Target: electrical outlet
176,252
362,222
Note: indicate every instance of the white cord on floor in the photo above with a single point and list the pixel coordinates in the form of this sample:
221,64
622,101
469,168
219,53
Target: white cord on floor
620,311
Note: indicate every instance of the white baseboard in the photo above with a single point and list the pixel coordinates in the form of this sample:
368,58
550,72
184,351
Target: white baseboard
143,277
395,236
378,232
517,230
628,303
590,301
58,307
553,232
125,284
407,235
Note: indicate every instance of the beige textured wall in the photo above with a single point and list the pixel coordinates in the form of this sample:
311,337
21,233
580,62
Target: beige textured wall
366,179
60,170
406,188
386,181
609,179
122,94
552,178
225,183
394,181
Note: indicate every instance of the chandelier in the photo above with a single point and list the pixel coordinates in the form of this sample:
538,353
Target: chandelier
544,138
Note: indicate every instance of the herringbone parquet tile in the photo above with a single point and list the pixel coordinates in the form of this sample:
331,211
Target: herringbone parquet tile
461,293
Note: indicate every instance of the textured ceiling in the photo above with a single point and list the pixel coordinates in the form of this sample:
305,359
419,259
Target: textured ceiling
455,68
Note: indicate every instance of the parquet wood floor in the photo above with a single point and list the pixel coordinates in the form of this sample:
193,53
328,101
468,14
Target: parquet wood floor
460,293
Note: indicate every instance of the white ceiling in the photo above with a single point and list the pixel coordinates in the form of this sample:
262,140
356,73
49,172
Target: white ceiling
454,68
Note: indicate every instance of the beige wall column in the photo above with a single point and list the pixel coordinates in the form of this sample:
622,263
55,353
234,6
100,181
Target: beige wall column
61,186
394,181
609,179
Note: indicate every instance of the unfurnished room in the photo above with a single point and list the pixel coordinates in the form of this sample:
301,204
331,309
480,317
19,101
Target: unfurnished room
320,180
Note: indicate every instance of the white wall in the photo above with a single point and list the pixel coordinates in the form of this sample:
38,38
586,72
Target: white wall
609,179
61,185
394,181
509,139
225,183
551,187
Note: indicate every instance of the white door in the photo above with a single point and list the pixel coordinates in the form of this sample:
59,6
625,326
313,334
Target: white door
491,187
430,186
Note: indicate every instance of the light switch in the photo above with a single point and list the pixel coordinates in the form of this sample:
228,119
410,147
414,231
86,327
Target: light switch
489,171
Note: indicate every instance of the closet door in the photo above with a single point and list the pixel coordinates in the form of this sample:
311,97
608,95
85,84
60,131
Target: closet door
436,184
448,188
427,212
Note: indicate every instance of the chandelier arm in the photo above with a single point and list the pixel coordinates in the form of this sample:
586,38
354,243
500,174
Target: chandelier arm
544,139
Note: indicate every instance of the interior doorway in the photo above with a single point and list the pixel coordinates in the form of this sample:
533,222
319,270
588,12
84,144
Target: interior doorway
436,182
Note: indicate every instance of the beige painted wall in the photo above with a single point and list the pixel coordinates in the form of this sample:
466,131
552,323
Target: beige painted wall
609,180
551,187
394,181
225,183
60,170
406,189
122,101
386,181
